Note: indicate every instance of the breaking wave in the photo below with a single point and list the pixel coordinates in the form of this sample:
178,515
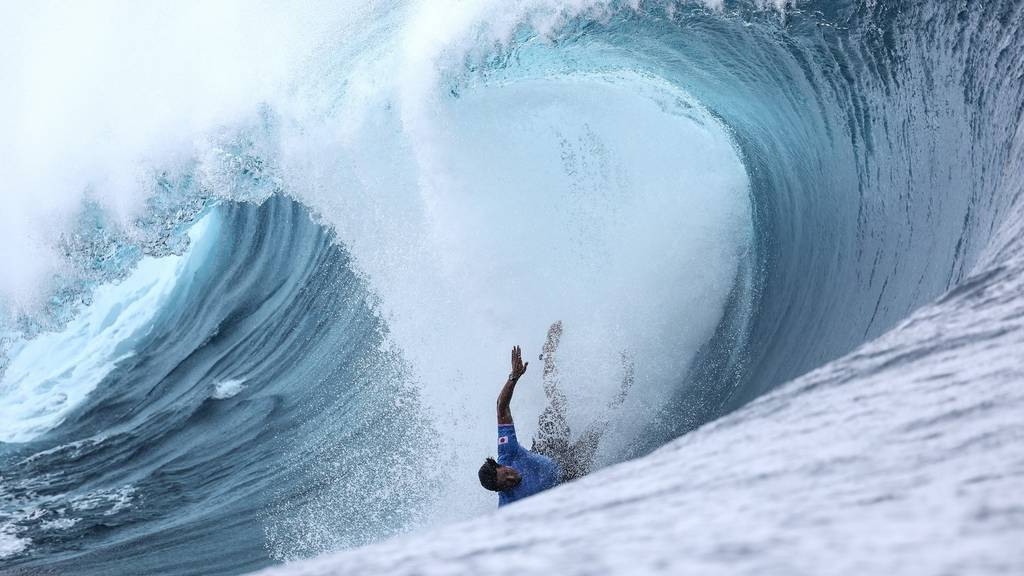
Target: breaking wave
278,329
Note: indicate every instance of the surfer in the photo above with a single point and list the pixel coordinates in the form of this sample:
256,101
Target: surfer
553,458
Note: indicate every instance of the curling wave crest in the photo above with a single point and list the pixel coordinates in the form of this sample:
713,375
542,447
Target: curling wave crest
268,322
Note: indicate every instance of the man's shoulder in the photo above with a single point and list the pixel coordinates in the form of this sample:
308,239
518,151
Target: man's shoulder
547,463
538,457
508,447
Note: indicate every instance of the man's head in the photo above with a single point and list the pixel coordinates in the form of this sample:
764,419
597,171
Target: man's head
498,478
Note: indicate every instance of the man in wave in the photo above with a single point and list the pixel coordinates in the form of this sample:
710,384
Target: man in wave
553,458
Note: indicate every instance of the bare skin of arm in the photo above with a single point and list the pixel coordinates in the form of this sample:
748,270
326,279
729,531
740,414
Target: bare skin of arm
518,369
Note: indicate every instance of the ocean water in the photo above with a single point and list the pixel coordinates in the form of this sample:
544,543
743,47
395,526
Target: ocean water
265,262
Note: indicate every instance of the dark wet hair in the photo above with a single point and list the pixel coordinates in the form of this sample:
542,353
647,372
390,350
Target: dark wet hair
489,475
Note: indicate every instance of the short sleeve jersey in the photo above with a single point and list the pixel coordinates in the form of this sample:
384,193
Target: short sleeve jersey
538,471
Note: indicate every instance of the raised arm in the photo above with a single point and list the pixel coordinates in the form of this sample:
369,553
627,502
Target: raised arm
518,369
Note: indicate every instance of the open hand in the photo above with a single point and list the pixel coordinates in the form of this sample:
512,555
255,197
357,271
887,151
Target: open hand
518,367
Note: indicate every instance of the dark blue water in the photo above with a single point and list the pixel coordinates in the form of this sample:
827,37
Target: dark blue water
169,475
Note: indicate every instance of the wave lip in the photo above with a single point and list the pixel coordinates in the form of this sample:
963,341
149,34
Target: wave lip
52,374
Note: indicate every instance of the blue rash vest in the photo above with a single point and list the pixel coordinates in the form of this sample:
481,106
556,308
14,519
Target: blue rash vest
538,471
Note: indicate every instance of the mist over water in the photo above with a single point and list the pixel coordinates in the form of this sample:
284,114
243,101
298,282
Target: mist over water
267,261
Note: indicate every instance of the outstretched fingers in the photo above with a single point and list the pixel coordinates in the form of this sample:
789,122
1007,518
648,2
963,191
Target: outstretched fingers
518,367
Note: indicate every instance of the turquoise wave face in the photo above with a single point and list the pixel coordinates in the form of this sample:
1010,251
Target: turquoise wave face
259,401
296,347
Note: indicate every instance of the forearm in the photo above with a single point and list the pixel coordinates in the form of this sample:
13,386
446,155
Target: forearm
504,398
